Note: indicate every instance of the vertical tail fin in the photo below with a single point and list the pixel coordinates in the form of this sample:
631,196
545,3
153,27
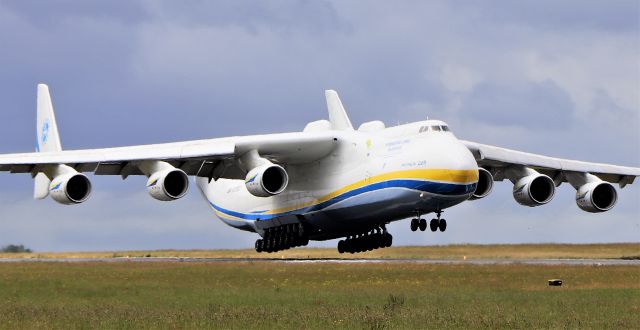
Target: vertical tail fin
47,130
47,137
337,115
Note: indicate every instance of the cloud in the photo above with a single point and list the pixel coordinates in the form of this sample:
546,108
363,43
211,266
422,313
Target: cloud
540,106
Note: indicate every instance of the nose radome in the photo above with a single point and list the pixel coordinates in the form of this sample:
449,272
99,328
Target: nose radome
461,164
461,158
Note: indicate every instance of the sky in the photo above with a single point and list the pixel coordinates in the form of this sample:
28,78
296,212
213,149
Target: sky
549,77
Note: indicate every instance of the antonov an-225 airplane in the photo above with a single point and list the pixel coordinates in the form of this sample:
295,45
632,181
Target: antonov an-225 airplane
328,181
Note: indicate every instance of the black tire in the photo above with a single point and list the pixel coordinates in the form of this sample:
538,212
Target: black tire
442,225
358,245
388,240
423,225
341,247
371,242
433,225
414,224
259,245
277,245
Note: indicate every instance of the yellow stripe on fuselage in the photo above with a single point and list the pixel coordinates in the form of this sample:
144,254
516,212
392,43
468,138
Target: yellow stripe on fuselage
440,175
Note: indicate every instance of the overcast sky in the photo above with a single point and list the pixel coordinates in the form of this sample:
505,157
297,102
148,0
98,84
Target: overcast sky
561,78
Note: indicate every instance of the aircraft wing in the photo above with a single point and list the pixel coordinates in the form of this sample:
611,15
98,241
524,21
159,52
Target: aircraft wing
497,160
213,158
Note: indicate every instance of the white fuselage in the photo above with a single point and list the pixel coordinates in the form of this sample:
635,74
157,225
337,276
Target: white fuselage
369,179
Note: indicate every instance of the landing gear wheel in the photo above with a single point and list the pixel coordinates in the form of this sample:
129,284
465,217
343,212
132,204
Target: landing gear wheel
433,224
259,245
442,225
423,224
341,247
388,240
414,224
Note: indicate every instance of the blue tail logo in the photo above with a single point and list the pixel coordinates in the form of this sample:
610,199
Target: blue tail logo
45,131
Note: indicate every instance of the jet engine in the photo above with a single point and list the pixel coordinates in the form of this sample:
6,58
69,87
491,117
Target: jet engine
267,180
485,184
534,190
596,197
168,185
71,188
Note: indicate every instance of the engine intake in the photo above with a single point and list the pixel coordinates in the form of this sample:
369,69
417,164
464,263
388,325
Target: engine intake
70,189
168,185
267,180
596,197
534,190
485,184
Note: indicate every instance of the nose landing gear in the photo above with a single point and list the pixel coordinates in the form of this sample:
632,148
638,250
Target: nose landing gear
435,224
418,223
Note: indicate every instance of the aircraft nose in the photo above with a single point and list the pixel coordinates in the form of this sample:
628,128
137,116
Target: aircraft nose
461,163
460,157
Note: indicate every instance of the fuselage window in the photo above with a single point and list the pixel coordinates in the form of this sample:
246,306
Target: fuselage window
422,129
445,128
435,128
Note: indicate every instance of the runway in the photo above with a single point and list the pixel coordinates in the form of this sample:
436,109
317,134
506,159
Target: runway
480,262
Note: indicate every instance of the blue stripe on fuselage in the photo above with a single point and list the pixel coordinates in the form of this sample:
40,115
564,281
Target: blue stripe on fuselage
445,189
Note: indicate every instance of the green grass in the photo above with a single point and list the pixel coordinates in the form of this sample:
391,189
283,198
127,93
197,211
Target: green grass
241,295
469,251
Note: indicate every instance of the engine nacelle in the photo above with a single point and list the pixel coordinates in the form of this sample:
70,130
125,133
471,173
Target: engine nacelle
267,180
485,184
596,197
70,189
168,185
534,190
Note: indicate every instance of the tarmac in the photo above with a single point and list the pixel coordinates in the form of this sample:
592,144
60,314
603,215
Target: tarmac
541,262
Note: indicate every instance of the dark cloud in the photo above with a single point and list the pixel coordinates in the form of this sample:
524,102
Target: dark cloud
306,16
573,15
542,106
50,14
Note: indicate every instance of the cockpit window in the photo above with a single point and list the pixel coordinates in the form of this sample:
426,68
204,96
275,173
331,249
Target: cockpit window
434,128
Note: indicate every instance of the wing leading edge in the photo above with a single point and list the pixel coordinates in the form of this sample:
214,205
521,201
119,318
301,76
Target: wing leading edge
200,157
498,160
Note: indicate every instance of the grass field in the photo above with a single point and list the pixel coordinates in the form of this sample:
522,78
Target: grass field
470,251
243,295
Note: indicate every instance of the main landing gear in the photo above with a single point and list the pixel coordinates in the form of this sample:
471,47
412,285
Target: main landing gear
371,240
282,238
434,225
